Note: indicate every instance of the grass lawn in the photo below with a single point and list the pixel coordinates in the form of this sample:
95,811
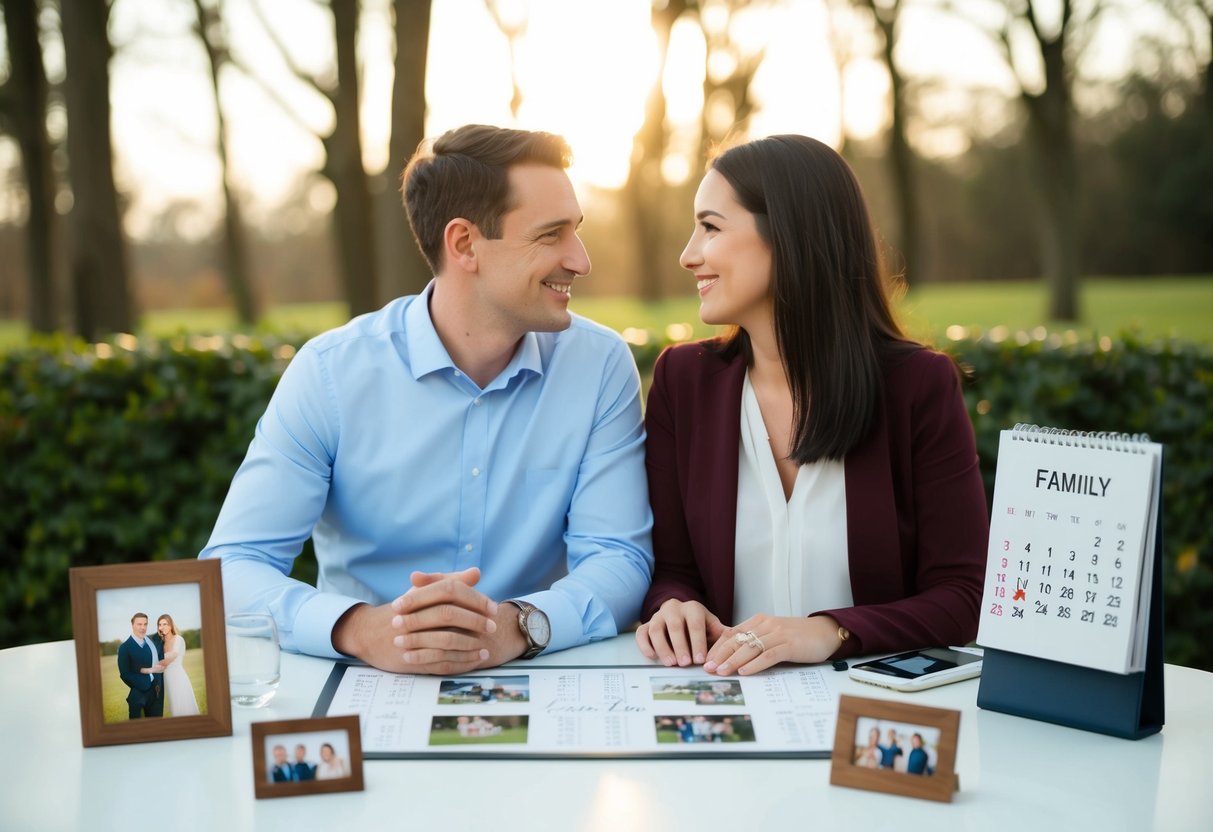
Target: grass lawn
445,736
683,696
113,691
1154,307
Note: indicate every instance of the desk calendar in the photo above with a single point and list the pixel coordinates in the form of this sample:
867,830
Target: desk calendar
1072,574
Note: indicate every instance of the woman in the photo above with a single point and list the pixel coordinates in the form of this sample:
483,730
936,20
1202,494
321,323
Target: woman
178,689
812,473
331,766
869,755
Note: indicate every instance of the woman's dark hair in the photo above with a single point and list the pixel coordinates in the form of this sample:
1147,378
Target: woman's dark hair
465,173
832,315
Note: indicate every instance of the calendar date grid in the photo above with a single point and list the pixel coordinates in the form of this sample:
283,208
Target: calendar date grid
1051,565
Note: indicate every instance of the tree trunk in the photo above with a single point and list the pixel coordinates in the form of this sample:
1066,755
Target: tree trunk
102,301
1056,172
343,166
27,81
901,155
401,267
645,188
235,246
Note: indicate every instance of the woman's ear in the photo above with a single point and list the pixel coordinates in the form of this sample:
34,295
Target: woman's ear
457,240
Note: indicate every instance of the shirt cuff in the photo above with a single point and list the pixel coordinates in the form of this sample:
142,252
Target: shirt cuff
567,627
313,634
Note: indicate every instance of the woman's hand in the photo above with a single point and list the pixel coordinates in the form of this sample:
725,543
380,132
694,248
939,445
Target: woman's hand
679,633
803,640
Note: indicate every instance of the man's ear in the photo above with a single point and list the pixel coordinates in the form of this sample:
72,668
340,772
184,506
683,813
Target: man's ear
457,240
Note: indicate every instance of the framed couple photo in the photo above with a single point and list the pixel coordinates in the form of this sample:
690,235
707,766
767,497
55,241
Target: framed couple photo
151,652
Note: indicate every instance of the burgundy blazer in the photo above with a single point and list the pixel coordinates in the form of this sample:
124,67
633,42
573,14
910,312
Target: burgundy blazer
917,522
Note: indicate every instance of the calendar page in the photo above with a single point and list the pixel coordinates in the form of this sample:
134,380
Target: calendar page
1069,562
649,711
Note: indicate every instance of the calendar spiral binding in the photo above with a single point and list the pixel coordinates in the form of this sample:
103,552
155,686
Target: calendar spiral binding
1103,440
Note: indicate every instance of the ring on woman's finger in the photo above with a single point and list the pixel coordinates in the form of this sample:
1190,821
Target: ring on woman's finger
744,638
757,642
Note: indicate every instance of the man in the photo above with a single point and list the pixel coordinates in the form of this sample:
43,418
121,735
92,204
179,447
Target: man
916,763
302,769
281,771
469,446
890,751
135,656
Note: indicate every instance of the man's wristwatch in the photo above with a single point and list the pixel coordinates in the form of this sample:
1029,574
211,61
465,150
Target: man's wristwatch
534,625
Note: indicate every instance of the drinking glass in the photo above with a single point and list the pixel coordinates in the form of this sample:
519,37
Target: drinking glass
253,658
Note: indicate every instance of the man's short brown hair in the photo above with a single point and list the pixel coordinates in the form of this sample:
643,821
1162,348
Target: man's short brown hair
465,173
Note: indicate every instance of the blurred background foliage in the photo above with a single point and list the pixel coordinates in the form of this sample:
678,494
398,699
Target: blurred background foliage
123,451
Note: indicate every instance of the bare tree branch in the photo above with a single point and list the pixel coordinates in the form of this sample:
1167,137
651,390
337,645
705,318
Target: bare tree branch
288,59
274,96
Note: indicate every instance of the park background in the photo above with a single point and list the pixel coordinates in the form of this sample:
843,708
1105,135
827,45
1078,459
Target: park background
193,187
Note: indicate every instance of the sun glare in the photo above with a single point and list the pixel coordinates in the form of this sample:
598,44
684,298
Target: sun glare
584,69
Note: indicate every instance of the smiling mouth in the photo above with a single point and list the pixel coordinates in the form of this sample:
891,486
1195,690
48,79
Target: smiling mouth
565,289
705,282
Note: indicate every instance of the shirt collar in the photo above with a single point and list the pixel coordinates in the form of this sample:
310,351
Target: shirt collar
427,353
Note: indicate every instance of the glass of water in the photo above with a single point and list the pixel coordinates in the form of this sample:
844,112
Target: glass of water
253,658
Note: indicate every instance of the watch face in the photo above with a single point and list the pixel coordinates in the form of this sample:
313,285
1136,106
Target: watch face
539,628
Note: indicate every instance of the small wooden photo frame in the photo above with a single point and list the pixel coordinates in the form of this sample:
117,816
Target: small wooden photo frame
895,747
129,619
292,757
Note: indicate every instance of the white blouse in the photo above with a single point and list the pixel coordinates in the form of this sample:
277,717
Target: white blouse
791,554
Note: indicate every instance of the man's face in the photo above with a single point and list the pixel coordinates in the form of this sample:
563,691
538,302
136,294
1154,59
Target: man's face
300,753
279,755
526,277
139,627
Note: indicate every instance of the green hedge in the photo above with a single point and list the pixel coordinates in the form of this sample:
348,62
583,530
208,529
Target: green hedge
123,451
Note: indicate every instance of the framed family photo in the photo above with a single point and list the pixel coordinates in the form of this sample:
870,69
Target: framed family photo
895,747
151,652
293,757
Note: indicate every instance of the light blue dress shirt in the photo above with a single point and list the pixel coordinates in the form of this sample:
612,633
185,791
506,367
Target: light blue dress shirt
393,460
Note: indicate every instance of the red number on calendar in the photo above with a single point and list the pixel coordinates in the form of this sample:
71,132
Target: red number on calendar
996,609
1006,545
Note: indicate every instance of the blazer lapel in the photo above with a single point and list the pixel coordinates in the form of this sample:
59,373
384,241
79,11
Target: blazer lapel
721,435
872,520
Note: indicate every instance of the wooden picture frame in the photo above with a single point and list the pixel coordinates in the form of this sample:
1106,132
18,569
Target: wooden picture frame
195,588
294,733
850,765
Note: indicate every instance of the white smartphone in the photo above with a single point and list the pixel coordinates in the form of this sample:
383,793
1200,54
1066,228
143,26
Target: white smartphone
920,669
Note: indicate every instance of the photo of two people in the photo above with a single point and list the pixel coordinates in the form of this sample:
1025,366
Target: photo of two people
155,668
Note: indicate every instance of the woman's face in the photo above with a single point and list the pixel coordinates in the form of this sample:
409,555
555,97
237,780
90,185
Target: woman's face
164,627
729,258
326,753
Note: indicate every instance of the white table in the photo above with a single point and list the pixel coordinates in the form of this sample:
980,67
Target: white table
1015,774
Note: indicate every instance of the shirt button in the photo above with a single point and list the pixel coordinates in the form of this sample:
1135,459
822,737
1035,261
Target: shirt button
467,547
458,374
475,472
476,402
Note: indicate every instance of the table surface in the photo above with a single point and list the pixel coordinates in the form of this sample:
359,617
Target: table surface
1015,774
